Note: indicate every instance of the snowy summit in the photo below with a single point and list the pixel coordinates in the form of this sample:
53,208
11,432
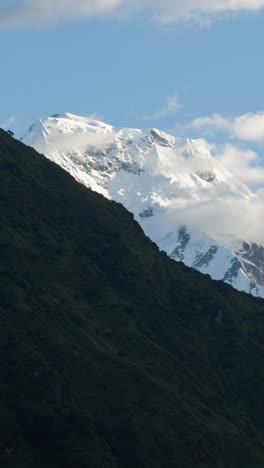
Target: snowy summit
167,182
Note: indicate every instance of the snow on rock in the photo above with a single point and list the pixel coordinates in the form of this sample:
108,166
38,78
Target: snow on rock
155,175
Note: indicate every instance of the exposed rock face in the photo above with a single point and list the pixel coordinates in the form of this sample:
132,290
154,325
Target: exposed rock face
221,263
183,240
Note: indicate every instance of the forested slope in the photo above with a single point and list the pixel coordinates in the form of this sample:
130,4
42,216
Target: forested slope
111,354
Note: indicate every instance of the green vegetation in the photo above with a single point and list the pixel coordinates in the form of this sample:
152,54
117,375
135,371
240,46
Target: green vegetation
111,354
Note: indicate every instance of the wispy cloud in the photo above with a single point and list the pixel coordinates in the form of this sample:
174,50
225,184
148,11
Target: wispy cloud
8,122
246,127
172,106
23,12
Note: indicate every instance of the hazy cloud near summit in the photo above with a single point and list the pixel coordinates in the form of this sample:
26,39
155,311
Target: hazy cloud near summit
33,12
173,105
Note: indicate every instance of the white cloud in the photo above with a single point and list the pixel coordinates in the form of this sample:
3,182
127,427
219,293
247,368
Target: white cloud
21,12
218,211
222,215
66,142
210,123
172,106
246,127
249,127
243,163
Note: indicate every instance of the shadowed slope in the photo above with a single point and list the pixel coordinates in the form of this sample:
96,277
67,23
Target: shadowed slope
113,355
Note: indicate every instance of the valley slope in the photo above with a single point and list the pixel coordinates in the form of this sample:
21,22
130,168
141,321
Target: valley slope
112,354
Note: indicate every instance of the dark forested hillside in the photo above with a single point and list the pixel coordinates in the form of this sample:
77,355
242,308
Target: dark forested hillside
111,354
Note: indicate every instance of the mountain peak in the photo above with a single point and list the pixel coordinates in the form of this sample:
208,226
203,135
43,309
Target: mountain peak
158,177
62,124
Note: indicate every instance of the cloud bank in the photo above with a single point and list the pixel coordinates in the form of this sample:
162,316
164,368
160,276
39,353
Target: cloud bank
223,211
33,12
244,163
220,217
247,127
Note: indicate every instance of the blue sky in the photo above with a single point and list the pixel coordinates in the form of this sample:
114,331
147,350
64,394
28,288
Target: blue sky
134,70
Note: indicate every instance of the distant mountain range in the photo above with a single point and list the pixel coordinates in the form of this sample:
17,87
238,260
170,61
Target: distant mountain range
155,176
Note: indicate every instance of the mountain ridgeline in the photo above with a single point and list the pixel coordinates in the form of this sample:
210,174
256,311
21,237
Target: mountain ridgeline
112,354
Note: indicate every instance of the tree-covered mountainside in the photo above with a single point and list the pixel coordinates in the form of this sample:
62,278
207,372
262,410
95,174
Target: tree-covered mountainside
111,354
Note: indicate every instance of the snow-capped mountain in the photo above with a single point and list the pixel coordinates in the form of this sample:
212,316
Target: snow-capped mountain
158,177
